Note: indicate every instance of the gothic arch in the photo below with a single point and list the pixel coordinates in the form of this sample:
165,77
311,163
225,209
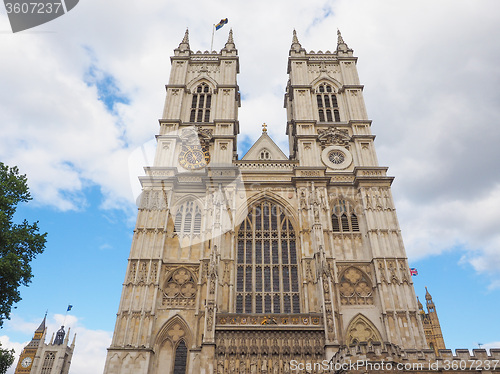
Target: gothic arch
173,330
179,288
345,214
325,78
242,211
267,260
212,84
187,206
361,329
355,287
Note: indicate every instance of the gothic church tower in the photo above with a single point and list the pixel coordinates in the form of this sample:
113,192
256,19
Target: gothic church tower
242,265
39,357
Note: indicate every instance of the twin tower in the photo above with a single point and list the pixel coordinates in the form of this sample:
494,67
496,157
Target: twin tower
256,264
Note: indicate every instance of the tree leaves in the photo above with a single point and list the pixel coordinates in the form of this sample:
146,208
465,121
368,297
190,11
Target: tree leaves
19,243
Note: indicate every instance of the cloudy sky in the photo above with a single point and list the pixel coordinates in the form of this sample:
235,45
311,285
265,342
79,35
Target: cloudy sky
80,98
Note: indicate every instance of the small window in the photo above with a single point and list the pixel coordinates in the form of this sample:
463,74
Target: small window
265,155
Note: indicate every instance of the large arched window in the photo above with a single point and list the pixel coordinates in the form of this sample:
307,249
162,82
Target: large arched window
344,219
180,358
267,271
188,219
328,108
201,103
48,362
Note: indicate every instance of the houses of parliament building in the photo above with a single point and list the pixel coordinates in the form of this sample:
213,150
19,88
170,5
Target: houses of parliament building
272,262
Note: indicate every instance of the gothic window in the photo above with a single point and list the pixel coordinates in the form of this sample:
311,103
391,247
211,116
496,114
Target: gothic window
180,358
327,104
200,104
180,288
265,155
188,219
267,273
355,288
343,218
48,362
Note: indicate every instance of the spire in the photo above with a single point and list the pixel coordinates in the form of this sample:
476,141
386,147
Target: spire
340,40
186,37
73,342
420,306
184,44
66,340
230,42
295,42
428,296
341,44
41,328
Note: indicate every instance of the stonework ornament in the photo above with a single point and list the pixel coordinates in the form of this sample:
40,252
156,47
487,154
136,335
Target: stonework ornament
336,157
355,288
362,330
180,288
333,136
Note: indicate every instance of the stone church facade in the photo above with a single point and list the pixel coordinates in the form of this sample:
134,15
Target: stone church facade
257,264
39,357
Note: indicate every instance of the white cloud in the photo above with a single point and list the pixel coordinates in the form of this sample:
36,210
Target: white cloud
90,347
430,71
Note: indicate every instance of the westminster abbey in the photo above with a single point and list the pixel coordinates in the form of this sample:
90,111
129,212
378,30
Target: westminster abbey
272,262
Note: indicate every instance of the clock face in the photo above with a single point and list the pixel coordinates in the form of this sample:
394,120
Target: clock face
194,157
26,362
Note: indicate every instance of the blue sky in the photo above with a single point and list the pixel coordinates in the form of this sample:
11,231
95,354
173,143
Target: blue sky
80,99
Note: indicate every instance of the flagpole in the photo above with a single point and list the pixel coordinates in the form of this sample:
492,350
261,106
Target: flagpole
64,322
212,44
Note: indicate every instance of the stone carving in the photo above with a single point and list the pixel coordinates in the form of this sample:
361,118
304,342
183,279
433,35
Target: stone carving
355,287
362,330
175,332
333,136
180,288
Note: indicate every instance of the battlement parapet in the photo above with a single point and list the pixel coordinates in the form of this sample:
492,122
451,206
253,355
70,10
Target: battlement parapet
384,357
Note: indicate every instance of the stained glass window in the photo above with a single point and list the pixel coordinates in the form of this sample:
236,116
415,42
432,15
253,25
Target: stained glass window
267,270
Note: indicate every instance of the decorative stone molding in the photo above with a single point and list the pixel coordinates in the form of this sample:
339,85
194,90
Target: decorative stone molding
180,288
355,288
334,136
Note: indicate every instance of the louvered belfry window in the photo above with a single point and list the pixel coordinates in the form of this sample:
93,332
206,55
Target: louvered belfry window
328,108
188,219
200,104
267,270
344,219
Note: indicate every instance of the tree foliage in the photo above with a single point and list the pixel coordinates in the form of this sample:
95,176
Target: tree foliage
19,243
6,359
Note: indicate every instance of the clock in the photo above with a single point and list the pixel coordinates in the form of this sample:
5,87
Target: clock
194,157
26,362
336,157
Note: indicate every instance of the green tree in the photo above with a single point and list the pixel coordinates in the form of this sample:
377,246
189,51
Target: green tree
6,359
19,243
